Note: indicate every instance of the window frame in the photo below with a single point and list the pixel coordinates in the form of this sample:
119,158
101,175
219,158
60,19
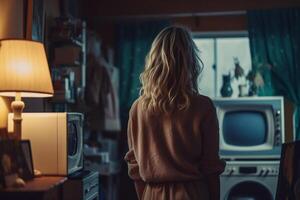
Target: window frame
215,35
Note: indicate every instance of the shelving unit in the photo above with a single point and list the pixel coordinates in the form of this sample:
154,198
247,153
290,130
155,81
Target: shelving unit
67,59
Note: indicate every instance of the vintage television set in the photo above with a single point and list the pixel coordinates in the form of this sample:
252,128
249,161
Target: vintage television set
250,127
56,141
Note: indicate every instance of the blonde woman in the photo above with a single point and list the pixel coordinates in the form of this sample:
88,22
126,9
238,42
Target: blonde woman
173,130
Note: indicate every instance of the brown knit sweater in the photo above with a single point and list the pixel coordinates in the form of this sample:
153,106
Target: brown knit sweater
172,155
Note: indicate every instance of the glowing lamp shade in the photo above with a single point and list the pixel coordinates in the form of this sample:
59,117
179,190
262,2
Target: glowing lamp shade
24,72
24,68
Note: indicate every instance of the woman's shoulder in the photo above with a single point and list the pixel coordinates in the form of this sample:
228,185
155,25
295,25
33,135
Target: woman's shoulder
134,106
203,105
202,100
198,101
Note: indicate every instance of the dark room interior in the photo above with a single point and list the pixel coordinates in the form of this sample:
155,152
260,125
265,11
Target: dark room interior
75,76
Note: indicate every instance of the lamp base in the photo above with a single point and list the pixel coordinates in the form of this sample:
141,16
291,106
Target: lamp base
17,107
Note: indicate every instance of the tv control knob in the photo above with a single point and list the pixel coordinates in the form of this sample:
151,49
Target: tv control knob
268,171
262,172
278,112
278,130
278,138
274,172
277,127
87,190
230,171
278,134
278,141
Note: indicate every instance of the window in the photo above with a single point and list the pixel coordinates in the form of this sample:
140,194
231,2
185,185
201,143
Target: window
218,53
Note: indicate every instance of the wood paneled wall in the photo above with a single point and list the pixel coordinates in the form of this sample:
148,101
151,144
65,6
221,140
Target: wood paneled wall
117,8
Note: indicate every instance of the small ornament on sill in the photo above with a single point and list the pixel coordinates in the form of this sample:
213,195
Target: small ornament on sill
226,90
238,70
255,81
243,90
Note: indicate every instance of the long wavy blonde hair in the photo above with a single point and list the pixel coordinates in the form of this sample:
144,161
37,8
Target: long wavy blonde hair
171,71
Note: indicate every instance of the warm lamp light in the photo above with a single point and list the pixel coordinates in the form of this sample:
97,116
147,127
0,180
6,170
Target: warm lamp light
24,72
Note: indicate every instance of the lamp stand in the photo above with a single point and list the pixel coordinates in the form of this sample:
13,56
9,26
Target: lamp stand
17,107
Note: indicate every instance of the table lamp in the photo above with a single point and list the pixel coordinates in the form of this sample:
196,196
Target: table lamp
24,72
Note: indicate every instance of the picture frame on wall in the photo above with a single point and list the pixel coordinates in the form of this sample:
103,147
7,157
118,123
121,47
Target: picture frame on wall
38,19
35,20
15,163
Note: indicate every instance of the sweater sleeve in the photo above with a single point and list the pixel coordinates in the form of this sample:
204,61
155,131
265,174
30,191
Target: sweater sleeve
210,162
130,158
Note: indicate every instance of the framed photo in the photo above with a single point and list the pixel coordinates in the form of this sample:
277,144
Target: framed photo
15,162
288,187
28,165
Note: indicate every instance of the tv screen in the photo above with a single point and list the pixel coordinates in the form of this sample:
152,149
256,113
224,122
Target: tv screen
245,128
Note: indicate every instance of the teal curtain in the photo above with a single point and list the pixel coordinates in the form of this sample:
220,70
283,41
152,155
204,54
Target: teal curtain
275,41
134,40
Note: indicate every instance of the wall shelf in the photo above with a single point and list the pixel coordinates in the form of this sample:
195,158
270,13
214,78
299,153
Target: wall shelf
67,60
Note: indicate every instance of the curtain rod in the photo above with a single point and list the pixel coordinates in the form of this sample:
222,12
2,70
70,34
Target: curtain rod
224,13
164,16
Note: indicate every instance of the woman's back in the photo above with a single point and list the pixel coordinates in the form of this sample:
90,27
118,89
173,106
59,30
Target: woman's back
171,149
172,130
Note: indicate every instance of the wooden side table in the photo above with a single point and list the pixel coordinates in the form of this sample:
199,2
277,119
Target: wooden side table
41,188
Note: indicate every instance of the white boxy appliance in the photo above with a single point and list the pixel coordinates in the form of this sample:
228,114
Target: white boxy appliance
56,141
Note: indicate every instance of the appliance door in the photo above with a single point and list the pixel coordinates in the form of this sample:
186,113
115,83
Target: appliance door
75,142
248,188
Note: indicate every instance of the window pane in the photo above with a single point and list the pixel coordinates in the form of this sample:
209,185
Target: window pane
227,49
206,82
222,50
